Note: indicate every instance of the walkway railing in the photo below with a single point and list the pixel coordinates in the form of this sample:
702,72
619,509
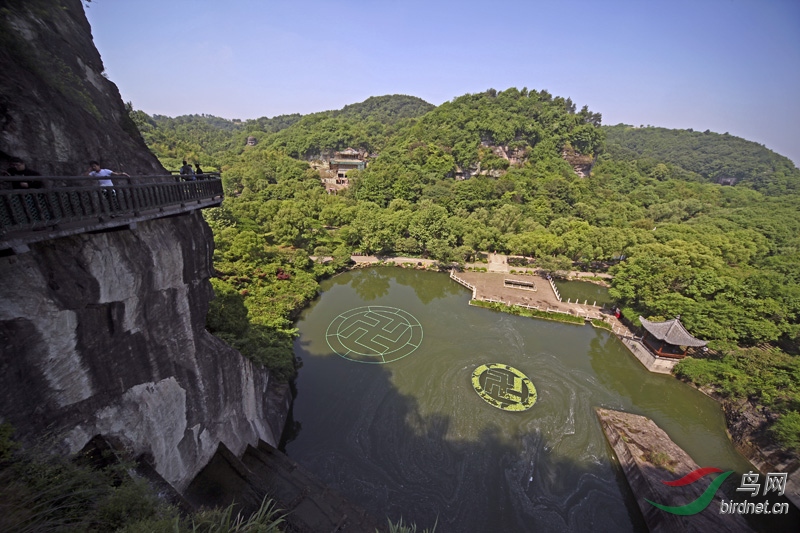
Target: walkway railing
555,289
464,283
58,209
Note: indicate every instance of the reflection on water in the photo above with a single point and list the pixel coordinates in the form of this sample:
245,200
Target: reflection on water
583,291
372,284
413,439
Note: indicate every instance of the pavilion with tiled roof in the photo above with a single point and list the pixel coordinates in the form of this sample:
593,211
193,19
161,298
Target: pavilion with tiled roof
669,338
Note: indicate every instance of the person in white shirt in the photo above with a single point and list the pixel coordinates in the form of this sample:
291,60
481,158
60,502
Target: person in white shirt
109,194
97,172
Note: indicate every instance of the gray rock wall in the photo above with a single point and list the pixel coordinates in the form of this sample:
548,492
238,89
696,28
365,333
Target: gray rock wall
104,334
637,441
57,108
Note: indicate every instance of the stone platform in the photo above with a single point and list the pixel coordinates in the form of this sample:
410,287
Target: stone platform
648,458
653,363
491,287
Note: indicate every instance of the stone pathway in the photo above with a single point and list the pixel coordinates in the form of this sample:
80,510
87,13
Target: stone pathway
498,263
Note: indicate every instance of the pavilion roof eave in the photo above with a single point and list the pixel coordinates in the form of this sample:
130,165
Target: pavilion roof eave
671,331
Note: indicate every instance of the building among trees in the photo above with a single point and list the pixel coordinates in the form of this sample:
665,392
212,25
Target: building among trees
335,178
669,338
348,159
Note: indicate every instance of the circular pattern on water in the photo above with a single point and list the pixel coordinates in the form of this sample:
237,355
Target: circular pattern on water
504,387
374,334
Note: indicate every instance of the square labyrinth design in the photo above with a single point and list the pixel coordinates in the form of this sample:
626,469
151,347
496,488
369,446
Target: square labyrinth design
374,334
504,387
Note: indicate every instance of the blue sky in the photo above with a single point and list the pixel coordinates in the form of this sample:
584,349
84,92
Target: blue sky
724,65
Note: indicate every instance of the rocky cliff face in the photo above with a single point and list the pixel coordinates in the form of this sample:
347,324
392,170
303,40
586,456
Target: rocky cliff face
57,109
747,426
648,458
104,333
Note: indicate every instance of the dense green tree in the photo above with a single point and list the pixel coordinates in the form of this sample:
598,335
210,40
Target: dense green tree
724,258
713,156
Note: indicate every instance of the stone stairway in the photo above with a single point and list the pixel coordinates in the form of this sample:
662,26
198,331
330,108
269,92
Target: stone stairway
263,471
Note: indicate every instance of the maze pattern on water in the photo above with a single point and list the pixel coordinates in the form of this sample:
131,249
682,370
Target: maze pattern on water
374,334
504,387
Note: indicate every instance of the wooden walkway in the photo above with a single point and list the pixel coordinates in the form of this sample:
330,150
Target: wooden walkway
69,205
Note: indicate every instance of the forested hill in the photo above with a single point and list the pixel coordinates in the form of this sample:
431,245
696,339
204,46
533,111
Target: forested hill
484,134
726,259
719,158
203,139
534,124
388,109
211,140
368,126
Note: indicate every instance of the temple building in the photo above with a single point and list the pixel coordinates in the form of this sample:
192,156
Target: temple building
669,338
345,160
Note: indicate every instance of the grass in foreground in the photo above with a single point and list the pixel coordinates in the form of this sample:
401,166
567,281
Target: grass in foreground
42,492
401,527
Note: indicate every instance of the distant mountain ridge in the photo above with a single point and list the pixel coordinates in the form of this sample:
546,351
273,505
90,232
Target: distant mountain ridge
526,124
388,109
720,158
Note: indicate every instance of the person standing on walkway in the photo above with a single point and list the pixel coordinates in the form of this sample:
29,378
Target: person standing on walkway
187,174
96,172
104,173
35,211
18,168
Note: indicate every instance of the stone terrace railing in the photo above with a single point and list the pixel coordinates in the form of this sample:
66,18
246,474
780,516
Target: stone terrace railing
468,285
70,205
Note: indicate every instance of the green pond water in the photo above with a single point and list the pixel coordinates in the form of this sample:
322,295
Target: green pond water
412,438
583,291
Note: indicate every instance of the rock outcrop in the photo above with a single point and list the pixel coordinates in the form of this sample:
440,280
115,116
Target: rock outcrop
747,425
57,108
105,334
580,163
648,458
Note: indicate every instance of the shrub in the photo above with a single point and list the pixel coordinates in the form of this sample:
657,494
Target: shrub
659,459
786,430
41,492
601,324
7,446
